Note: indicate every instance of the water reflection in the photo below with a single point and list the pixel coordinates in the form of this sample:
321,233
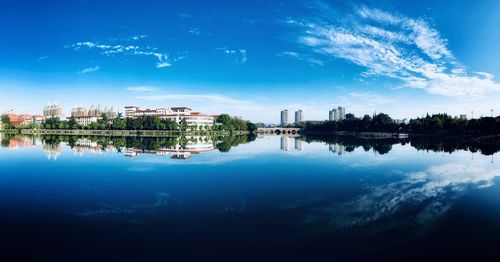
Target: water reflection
175,147
316,188
186,146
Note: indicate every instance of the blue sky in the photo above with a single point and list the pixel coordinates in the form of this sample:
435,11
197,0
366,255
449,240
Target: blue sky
253,58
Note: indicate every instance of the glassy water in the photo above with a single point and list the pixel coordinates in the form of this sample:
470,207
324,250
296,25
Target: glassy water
244,198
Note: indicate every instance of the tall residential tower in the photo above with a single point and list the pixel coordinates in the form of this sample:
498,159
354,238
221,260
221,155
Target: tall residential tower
299,116
284,118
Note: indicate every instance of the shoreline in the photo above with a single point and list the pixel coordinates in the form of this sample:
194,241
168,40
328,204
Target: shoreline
386,135
125,133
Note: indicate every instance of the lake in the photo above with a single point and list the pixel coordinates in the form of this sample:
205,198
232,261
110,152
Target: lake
247,198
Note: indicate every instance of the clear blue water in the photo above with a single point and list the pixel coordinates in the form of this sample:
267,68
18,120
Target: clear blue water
272,198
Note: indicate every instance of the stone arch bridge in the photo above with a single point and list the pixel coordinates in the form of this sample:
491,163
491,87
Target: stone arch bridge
278,131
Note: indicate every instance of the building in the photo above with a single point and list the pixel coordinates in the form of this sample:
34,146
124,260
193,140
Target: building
463,117
341,113
331,114
94,111
284,118
299,117
337,148
400,121
17,120
53,110
285,143
337,114
37,119
298,144
86,120
176,114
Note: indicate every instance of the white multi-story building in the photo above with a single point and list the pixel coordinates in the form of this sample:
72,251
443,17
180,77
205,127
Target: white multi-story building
331,114
284,118
299,116
94,111
86,120
37,119
53,110
337,114
177,114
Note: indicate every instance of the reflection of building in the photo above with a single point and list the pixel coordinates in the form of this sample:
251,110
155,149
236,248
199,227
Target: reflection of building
337,148
53,110
184,150
176,114
181,155
299,117
284,143
298,144
16,142
52,150
83,145
284,118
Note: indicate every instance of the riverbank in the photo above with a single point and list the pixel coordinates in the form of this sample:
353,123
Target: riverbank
363,135
126,133
387,135
9,131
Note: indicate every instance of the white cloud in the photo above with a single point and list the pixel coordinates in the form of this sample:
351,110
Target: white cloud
214,99
120,49
42,58
302,57
163,64
194,31
394,46
89,70
240,54
142,89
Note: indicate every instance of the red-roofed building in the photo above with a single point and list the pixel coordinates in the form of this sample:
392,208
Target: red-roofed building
176,114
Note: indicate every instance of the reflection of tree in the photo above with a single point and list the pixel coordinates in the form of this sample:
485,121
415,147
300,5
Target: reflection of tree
6,140
225,143
486,145
381,146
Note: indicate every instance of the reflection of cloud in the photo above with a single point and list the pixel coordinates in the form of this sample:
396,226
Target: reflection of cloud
162,200
140,169
420,197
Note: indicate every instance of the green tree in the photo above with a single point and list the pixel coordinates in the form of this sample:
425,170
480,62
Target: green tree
6,121
73,124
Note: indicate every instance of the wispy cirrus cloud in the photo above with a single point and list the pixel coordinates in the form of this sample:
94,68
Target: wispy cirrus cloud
114,49
302,57
206,98
391,45
142,89
239,54
89,70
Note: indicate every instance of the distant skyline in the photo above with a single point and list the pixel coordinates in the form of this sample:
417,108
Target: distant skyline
254,58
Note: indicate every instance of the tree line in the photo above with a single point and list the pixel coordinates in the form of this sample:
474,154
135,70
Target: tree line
437,123
223,122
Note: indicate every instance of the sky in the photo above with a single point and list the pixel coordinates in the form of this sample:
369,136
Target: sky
253,58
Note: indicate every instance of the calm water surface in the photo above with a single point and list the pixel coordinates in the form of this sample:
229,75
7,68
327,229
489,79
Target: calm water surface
273,198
